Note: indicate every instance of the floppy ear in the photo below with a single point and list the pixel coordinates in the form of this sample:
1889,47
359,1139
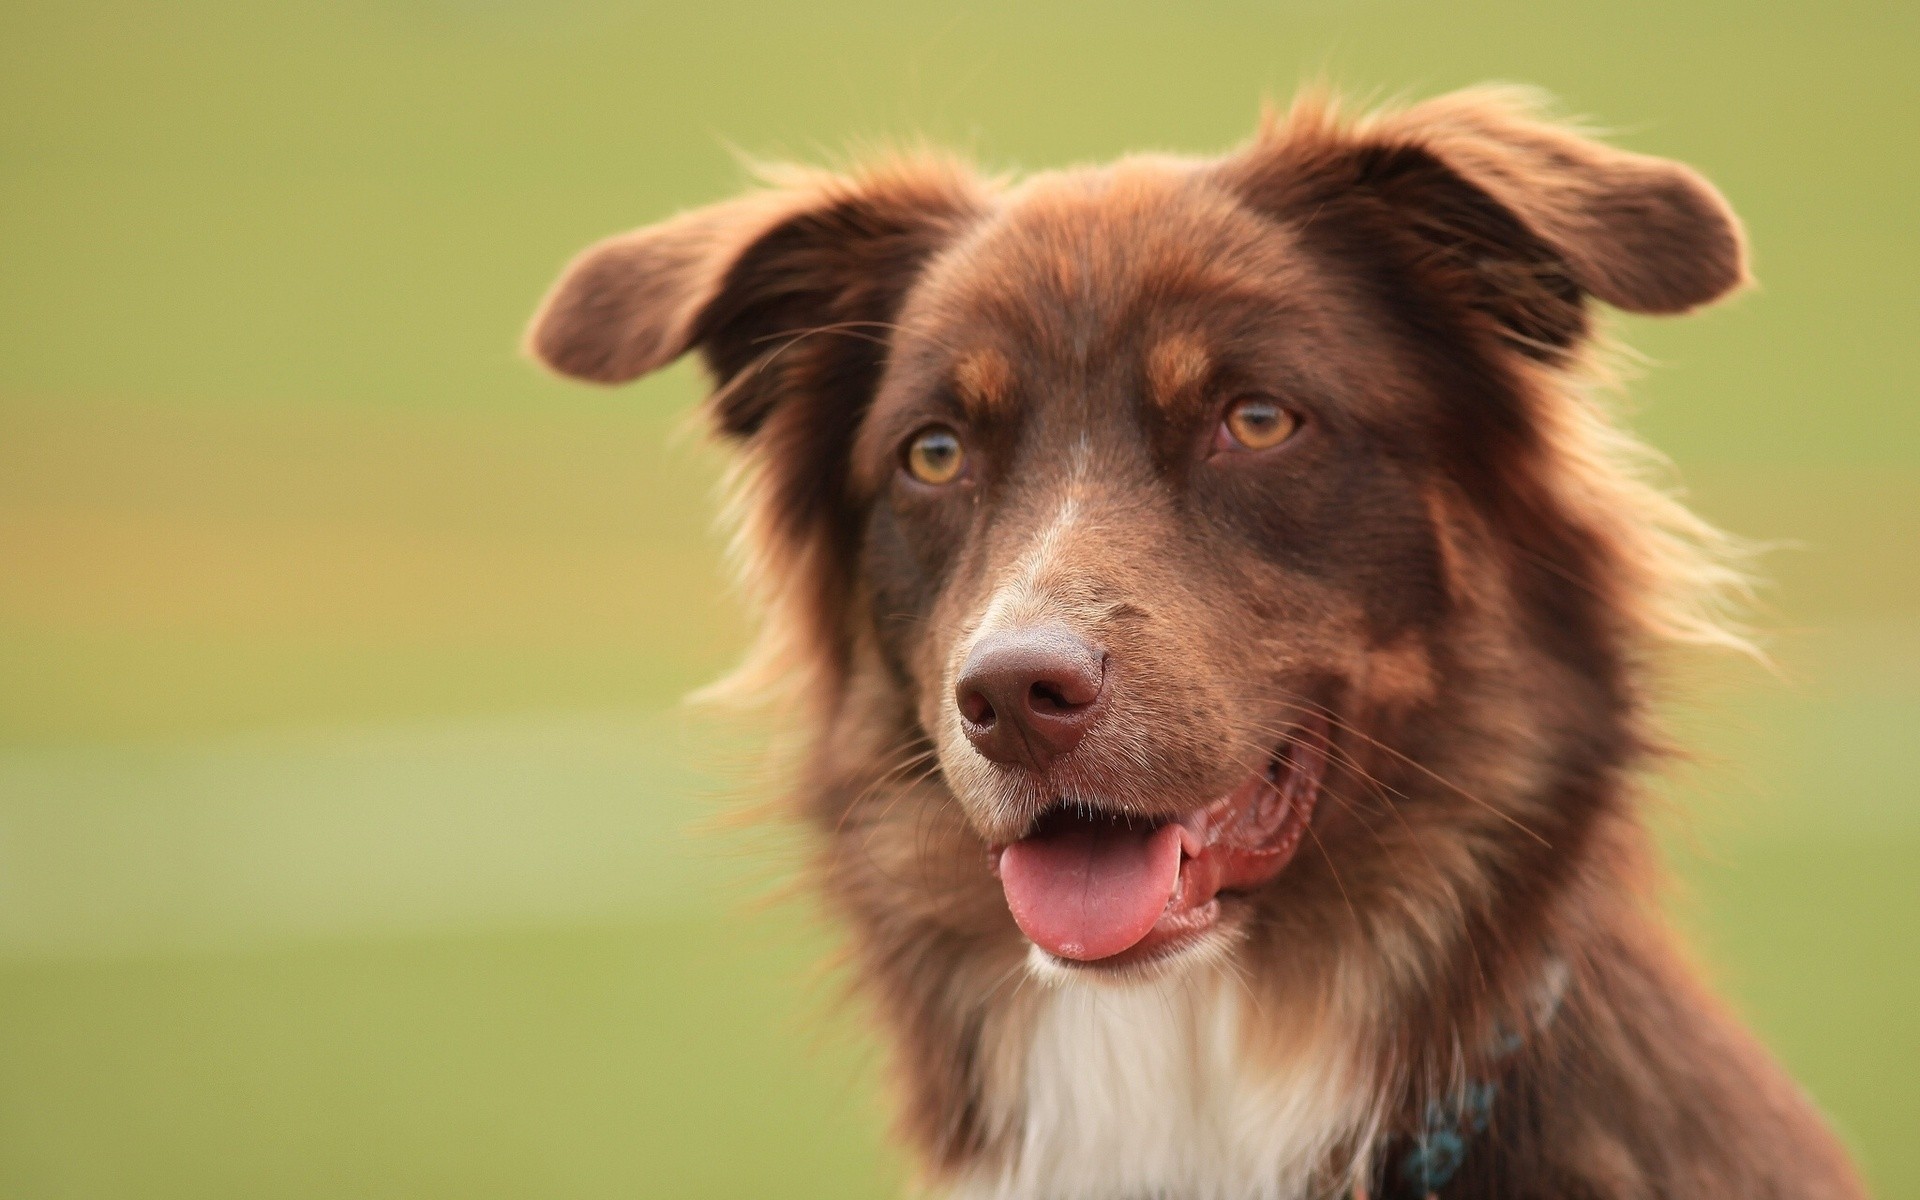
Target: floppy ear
1525,214
744,279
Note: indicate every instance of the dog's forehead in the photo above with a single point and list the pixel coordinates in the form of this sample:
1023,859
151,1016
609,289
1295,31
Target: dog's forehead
1089,243
1137,266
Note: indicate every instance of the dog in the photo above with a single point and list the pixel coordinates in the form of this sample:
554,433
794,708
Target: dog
1222,619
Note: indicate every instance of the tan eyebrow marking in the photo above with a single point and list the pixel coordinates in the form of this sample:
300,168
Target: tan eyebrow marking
984,381
1175,365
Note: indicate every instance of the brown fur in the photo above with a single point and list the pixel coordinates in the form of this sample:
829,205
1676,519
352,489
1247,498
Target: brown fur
1457,560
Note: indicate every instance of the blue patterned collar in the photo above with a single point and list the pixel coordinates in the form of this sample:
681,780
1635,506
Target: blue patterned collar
1450,1123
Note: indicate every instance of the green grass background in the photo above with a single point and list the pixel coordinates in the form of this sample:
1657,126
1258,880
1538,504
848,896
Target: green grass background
347,823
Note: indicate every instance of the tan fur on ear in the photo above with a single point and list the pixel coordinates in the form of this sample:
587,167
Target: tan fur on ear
629,304
1641,233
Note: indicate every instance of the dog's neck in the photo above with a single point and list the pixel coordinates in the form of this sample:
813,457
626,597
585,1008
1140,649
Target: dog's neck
1197,1087
1158,1089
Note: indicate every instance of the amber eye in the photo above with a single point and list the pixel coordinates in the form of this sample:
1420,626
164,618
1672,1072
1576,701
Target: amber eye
934,455
1257,424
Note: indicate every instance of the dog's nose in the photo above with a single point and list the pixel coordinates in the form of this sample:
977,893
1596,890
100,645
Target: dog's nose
1027,696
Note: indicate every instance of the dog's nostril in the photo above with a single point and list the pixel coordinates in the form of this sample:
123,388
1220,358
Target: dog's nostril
1045,697
977,709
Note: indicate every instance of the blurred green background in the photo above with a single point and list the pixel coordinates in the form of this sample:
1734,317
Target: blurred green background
345,807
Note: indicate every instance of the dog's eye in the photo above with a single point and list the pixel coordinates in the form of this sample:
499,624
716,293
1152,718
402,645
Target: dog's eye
1255,423
934,455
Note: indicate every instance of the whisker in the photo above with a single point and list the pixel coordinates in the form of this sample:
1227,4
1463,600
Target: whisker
1334,719
850,329
911,757
1353,912
1381,789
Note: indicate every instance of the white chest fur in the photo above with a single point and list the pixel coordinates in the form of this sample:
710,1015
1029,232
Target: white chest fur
1147,1091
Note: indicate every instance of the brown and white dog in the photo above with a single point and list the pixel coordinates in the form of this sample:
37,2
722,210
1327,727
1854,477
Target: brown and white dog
1222,616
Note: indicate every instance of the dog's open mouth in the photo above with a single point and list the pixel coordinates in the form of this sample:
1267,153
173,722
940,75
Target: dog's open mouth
1096,887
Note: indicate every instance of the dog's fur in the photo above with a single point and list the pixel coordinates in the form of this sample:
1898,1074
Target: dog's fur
1457,561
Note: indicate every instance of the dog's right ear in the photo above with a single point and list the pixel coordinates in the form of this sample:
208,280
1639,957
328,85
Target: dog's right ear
1520,216
748,280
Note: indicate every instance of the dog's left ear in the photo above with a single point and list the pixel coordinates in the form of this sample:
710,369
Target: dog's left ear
1523,214
785,290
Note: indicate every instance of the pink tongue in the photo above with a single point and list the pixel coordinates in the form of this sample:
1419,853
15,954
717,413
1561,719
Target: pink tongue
1090,891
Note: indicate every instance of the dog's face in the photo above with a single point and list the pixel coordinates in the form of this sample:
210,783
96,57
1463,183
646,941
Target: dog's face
1150,497
1140,489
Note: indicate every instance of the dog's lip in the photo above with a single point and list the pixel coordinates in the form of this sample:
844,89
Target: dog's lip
1227,847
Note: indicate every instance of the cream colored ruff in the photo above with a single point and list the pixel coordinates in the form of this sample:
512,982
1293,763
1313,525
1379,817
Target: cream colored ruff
1143,1090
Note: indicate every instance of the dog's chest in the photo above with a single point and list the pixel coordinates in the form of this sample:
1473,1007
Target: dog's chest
1148,1092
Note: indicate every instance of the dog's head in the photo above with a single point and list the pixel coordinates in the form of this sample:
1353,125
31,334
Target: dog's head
1154,504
